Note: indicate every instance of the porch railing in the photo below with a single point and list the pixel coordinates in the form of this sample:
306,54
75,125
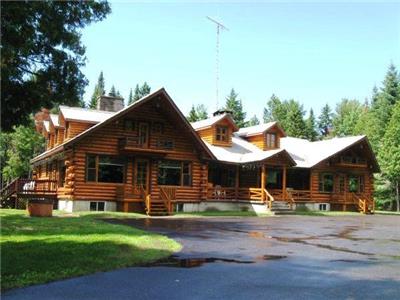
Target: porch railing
231,193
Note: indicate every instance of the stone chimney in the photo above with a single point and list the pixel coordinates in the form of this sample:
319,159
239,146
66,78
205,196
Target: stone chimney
110,103
42,115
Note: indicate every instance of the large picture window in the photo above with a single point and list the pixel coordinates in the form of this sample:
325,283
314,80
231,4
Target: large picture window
104,168
171,172
326,182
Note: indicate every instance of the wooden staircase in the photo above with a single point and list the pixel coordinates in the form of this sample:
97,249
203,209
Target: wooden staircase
164,205
364,204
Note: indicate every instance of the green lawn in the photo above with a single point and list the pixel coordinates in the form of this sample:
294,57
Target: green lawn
38,250
385,212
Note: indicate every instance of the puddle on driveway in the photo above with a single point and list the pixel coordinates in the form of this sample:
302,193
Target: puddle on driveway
179,262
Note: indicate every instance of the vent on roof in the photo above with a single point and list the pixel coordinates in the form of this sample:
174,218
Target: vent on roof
222,111
110,103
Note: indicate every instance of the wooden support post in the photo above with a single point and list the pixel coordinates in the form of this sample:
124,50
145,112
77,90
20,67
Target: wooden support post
263,182
237,182
284,182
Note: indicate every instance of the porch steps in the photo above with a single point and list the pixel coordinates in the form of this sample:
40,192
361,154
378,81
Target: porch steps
281,208
158,209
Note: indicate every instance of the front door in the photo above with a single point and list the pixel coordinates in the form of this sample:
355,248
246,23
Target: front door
142,175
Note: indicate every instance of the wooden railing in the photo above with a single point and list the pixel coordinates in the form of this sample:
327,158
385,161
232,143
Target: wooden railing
131,142
268,198
30,187
364,203
168,195
231,193
147,203
288,196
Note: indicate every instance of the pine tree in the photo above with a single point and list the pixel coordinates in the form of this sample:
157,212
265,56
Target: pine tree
391,85
235,105
192,117
145,89
295,125
346,117
113,92
254,121
311,132
325,121
130,98
275,111
197,113
141,91
137,94
99,90
389,156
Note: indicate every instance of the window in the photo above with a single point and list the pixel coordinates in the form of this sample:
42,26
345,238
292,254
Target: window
271,140
61,177
274,178
341,184
141,173
322,206
326,182
97,206
104,168
143,134
222,134
354,160
172,172
356,184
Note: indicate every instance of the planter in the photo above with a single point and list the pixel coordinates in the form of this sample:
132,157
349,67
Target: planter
40,208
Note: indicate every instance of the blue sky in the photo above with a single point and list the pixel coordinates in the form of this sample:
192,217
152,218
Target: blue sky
313,53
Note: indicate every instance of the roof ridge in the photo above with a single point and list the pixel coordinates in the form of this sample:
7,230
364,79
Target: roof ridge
87,109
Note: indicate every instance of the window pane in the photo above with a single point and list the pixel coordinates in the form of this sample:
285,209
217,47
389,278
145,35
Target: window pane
111,173
91,161
91,175
169,173
93,206
353,184
100,206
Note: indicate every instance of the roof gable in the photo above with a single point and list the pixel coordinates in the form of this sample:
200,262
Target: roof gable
206,123
160,95
84,114
259,129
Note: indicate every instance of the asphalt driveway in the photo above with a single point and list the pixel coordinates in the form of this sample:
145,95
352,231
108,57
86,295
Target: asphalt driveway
285,257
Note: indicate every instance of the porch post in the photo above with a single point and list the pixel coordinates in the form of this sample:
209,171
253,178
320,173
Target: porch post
263,182
237,182
284,182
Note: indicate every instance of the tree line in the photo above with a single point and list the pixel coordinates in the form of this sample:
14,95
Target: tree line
99,89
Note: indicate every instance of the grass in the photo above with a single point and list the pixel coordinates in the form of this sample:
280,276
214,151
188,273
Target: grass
385,212
39,250
221,214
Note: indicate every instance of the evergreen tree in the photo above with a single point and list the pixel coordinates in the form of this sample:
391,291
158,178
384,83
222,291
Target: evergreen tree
389,156
275,111
294,124
346,117
311,132
235,105
41,55
325,121
141,91
145,89
112,92
254,121
130,98
197,113
391,85
99,90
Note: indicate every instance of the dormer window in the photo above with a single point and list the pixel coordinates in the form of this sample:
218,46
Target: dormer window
271,140
222,134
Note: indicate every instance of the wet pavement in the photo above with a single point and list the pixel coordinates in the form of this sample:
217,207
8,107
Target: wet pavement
285,257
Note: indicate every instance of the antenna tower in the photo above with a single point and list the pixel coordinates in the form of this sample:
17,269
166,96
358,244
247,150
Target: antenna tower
220,27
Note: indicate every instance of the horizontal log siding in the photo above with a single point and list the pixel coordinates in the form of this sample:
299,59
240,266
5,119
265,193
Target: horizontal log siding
105,141
76,128
209,134
336,196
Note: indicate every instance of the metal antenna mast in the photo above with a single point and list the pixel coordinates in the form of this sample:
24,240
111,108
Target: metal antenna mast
220,27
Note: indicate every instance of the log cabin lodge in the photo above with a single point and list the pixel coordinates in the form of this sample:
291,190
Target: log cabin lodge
147,157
